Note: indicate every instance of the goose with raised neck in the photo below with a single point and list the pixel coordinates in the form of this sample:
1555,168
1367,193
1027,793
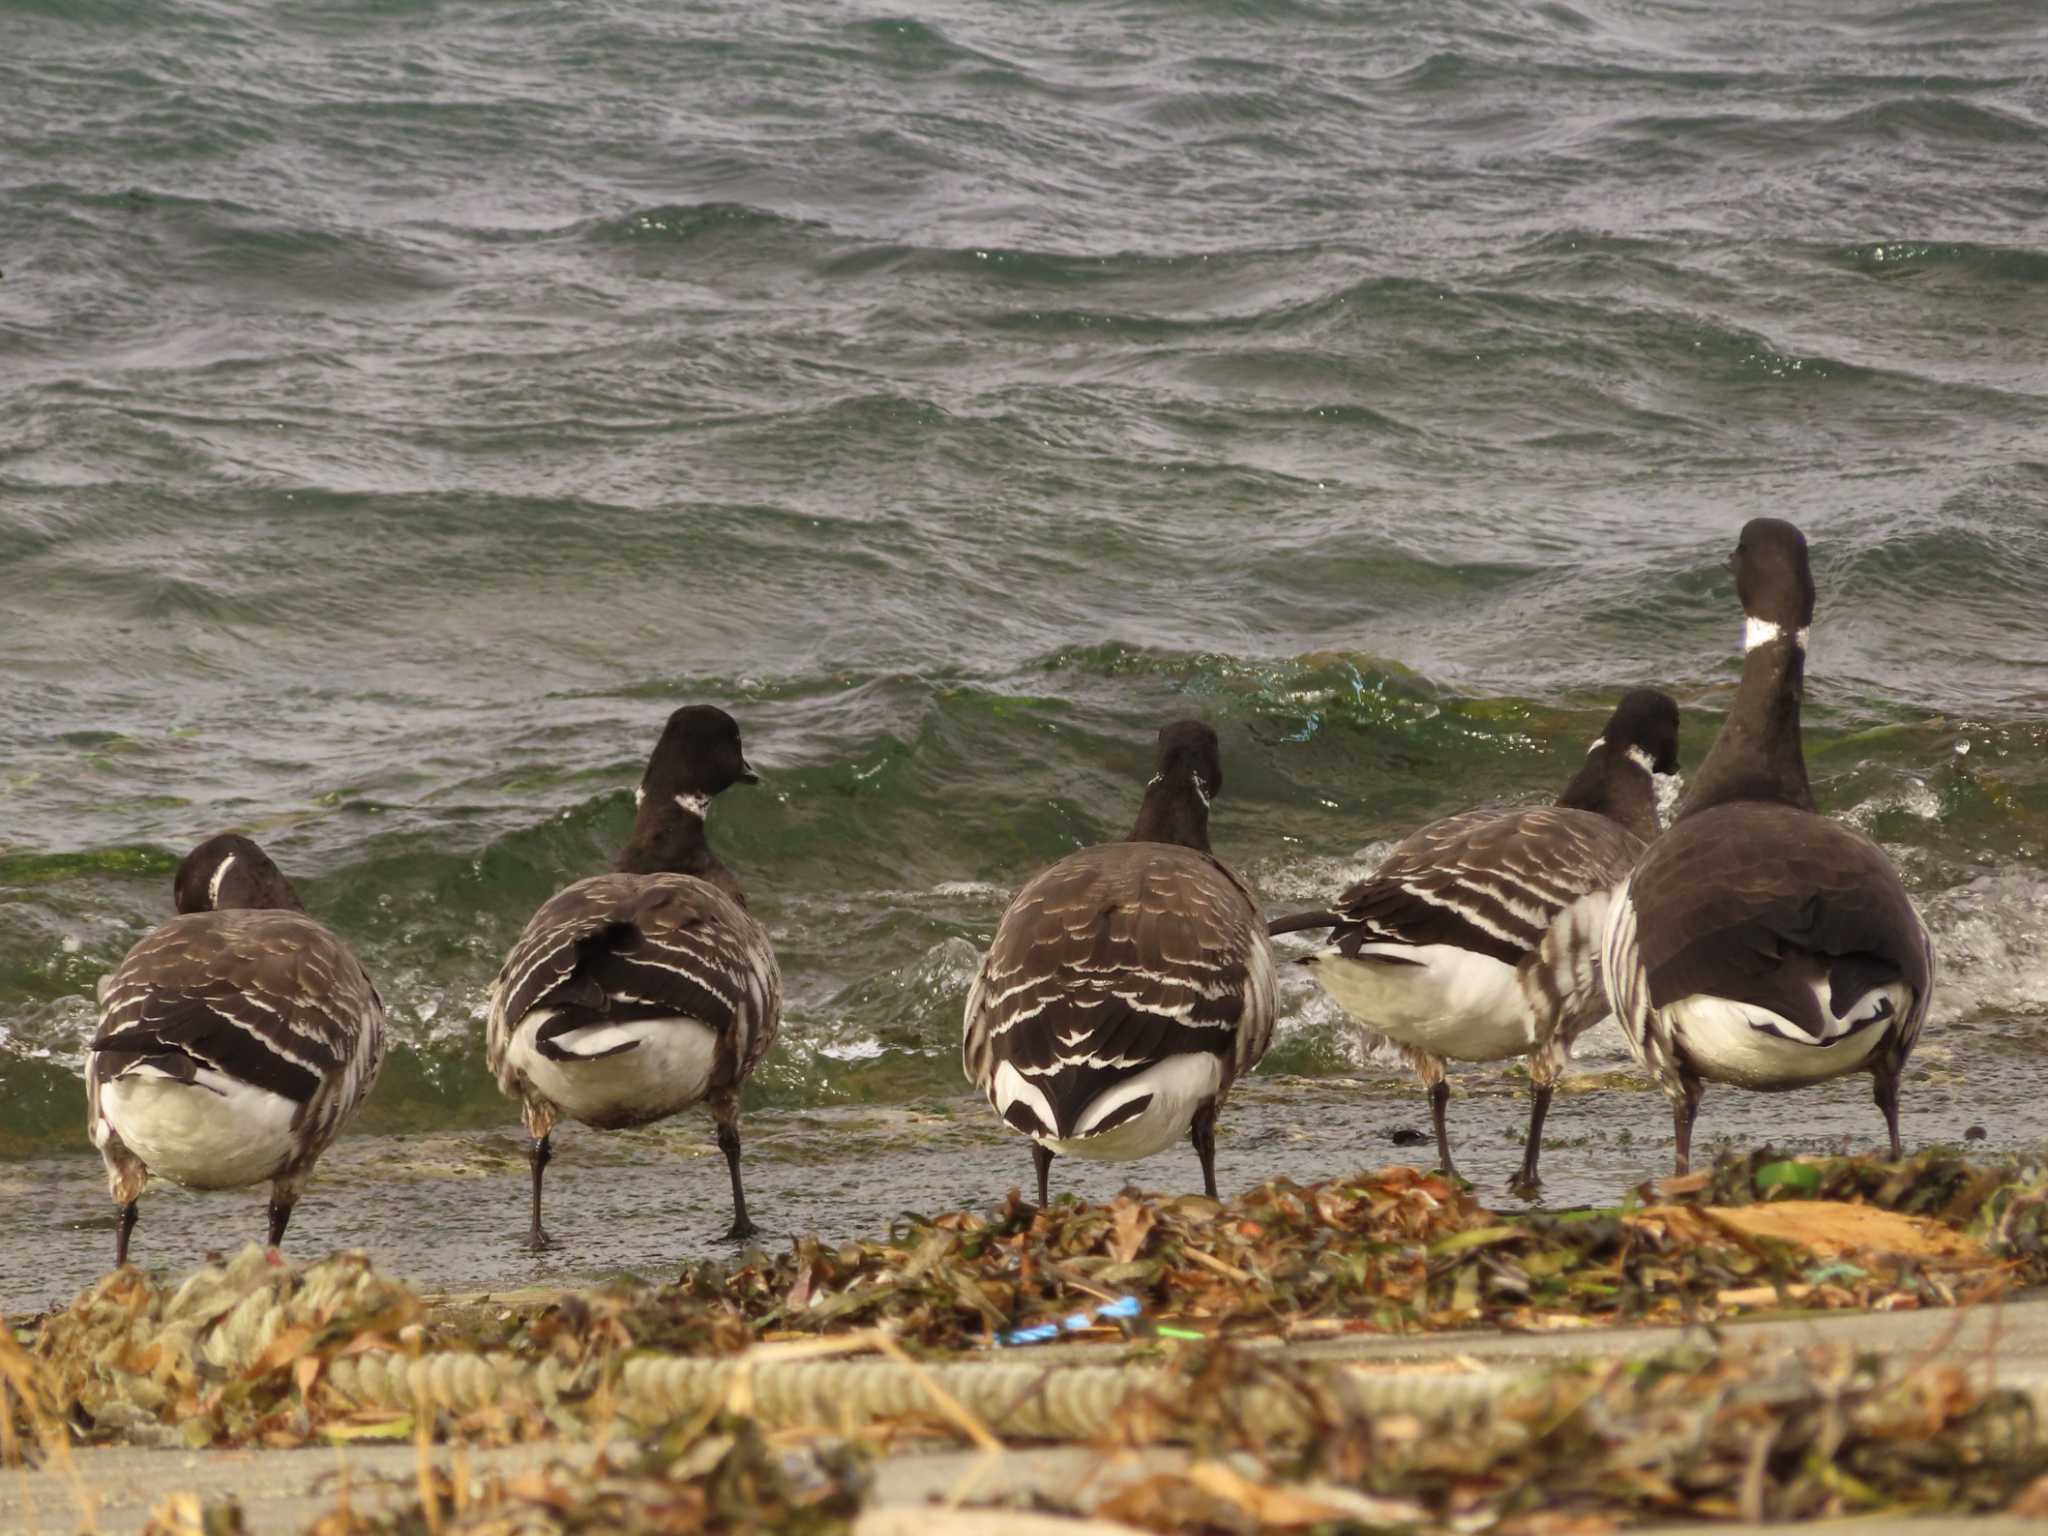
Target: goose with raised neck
1759,943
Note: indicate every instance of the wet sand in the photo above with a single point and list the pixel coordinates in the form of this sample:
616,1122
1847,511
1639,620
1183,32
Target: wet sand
448,1213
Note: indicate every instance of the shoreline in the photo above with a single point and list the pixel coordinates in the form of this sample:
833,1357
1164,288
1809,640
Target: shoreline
448,1211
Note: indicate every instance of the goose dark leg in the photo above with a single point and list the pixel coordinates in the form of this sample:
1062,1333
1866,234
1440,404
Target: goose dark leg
1439,1099
1684,1110
725,1108
540,1154
122,1228
729,1144
1203,1134
1041,1159
1887,1096
280,1218
1528,1181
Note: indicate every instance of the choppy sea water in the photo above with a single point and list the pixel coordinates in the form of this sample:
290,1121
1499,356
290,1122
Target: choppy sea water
403,406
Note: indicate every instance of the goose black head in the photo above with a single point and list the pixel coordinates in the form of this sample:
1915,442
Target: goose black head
1774,581
227,872
1188,774
1644,729
1640,738
698,756
1758,755
1190,754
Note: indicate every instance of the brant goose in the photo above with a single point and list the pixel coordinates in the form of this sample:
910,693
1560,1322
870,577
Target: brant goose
1129,985
1759,943
634,995
233,1041
1478,938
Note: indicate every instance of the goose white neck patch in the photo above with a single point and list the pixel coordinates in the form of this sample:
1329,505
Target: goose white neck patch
1642,760
1201,791
213,885
1598,743
695,805
1756,632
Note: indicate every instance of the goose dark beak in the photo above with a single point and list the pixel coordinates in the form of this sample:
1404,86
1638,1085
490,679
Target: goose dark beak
747,774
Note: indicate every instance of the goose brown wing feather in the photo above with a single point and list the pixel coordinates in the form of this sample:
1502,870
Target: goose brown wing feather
1753,902
1116,958
1488,881
634,946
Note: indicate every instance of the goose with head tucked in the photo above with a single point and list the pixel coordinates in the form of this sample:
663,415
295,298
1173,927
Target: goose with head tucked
1759,943
1478,937
1128,986
635,995
233,1043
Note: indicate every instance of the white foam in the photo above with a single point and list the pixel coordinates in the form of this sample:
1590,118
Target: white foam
1991,947
1315,881
1669,788
863,1048
1916,799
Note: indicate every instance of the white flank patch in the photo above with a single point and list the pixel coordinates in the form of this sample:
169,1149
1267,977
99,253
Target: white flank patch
1730,1042
213,885
639,796
667,1071
1012,1087
1454,1003
218,1133
1178,1086
1756,632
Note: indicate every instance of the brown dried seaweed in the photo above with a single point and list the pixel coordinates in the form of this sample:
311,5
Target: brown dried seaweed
1393,1251
1686,1435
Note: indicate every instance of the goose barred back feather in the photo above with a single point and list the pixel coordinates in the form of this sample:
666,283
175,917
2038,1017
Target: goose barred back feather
1116,959
232,1045
622,948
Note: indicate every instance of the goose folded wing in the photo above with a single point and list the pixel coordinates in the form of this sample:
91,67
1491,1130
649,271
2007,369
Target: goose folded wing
1487,882
1768,932
221,1028
1129,978
658,953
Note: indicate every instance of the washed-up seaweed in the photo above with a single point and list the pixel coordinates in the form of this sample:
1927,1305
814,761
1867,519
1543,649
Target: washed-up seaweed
1682,1436
232,1354
1391,1251
31,1413
246,1352
2003,1207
